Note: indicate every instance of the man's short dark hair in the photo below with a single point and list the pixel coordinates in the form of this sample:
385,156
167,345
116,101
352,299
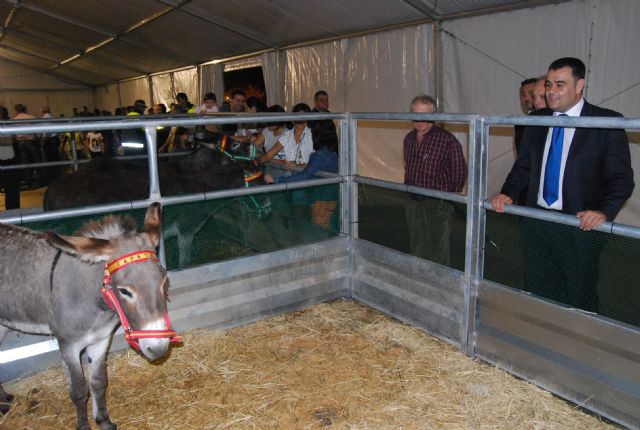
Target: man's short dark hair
578,69
324,136
20,108
528,81
238,92
301,107
320,93
210,96
182,96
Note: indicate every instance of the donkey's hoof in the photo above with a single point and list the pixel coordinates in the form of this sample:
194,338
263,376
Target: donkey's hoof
106,424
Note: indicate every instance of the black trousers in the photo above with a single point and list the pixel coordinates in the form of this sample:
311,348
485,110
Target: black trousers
10,182
562,263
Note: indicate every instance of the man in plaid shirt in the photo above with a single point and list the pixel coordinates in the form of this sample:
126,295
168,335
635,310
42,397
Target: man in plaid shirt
433,159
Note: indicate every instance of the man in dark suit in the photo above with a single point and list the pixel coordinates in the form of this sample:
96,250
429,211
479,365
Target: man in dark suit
582,172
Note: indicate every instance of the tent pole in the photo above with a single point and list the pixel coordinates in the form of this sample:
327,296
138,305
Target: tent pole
438,67
150,86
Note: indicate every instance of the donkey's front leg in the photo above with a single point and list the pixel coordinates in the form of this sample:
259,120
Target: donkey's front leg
97,357
77,385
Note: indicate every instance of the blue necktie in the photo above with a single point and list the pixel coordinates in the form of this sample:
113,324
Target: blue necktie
552,170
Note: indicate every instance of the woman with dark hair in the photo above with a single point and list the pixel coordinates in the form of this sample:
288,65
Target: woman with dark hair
296,143
325,158
270,135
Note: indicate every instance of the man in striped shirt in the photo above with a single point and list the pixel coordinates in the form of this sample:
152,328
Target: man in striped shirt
433,159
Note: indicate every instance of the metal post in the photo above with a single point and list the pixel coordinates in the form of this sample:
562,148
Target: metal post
74,151
474,251
154,182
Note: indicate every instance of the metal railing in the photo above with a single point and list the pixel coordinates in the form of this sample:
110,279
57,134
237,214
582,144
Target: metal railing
149,123
475,199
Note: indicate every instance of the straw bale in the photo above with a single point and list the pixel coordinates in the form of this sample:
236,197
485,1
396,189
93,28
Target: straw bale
336,365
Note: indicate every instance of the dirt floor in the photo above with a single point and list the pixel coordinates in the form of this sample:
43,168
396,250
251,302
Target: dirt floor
336,365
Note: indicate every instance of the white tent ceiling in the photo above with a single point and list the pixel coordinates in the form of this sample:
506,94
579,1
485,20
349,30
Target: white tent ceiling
95,42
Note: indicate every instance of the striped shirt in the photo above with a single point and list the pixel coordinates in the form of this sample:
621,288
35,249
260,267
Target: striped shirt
437,162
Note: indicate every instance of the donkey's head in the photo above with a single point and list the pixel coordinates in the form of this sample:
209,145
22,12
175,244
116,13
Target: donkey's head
138,284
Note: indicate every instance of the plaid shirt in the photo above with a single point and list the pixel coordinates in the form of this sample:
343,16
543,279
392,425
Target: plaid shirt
437,162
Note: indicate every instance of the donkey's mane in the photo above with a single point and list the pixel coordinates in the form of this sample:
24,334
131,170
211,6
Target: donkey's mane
109,227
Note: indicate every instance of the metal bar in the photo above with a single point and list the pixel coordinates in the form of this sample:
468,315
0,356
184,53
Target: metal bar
458,198
561,218
154,177
85,124
546,215
353,216
565,121
499,8
413,116
128,122
74,151
84,161
474,251
154,182
38,165
165,201
343,170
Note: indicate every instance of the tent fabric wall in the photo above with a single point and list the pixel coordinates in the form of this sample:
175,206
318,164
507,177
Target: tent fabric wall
313,68
59,102
186,81
384,72
17,86
484,63
107,97
212,80
272,80
163,91
134,89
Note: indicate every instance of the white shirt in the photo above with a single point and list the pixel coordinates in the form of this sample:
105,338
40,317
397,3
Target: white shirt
566,145
297,152
270,139
203,109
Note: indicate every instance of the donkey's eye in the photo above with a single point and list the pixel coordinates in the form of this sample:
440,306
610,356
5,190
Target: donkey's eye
125,292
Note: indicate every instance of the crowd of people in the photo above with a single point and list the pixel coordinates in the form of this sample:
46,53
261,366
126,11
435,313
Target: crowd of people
308,146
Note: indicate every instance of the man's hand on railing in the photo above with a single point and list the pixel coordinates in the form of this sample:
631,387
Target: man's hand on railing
591,219
499,201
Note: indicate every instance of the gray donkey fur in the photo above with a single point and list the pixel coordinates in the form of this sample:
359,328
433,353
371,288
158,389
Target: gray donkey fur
63,298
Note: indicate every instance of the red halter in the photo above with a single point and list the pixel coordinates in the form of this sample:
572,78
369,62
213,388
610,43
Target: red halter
132,336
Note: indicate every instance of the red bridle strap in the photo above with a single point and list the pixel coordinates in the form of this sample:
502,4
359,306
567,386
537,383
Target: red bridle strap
131,335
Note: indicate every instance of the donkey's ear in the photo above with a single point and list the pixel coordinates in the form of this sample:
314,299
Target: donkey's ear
152,223
87,248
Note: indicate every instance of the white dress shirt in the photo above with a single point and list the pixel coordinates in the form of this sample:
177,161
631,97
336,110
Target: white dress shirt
566,145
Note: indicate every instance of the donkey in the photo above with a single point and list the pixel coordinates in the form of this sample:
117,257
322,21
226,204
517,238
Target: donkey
51,285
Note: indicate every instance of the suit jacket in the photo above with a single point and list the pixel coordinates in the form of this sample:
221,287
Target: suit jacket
597,175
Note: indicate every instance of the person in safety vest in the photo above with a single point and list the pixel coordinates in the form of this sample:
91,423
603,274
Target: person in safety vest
133,140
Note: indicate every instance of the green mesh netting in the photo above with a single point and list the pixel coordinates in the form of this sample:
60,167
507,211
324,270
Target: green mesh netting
592,271
210,231
387,217
67,226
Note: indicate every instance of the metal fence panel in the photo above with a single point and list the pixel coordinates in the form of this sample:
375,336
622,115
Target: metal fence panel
589,360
